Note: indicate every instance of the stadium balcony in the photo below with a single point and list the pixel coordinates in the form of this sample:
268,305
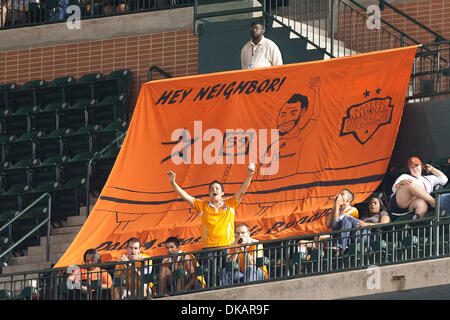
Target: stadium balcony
18,13
51,135
59,140
387,246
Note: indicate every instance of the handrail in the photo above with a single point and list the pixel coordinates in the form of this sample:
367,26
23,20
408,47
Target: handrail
156,68
89,168
47,221
387,23
437,35
404,241
40,13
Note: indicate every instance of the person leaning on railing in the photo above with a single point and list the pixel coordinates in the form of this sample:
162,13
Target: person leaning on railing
16,13
136,268
412,191
3,12
245,251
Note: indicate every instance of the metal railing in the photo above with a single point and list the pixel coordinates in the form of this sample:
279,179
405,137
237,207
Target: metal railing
22,13
437,37
159,70
96,156
45,222
338,27
431,72
315,254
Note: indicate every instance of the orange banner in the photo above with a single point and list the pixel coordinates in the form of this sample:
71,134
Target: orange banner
312,128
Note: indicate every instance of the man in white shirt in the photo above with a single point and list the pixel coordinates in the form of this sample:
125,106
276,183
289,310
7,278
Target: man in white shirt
259,51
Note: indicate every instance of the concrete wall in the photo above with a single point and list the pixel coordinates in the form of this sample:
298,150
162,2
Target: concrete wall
135,41
97,29
424,131
337,285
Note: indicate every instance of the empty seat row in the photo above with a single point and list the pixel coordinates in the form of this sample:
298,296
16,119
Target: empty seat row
82,113
40,94
59,142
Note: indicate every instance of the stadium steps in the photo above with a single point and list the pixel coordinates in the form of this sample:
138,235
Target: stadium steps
316,35
60,240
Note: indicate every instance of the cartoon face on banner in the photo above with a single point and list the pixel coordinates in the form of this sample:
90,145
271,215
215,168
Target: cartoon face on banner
310,128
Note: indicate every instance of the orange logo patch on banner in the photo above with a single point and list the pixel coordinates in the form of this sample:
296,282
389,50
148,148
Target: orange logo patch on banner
311,128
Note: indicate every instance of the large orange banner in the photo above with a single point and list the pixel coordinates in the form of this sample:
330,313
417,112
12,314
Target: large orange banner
312,129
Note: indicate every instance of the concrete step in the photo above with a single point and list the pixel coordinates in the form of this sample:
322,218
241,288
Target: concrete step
40,250
58,238
15,261
73,221
316,35
64,230
29,267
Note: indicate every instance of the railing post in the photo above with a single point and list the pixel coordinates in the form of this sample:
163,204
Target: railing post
332,29
436,223
195,17
47,251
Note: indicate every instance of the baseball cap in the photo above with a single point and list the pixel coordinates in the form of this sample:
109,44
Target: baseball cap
414,160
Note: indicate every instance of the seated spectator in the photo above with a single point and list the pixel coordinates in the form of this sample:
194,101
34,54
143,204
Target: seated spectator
184,264
411,192
246,257
376,214
341,216
133,270
94,7
87,275
3,12
115,6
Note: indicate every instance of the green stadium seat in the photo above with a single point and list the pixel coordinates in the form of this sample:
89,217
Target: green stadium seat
6,216
23,147
20,121
6,294
112,108
84,88
5,96
51,145
101,168
77,166
108,134
80,141
117,82
28,95
48,118
28,293
55,92
77,114
16,178
4,140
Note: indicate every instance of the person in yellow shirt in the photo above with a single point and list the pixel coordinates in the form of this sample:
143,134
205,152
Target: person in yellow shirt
217,217
245,253
138,266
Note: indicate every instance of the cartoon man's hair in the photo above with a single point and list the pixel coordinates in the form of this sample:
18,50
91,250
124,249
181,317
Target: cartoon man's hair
297,97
